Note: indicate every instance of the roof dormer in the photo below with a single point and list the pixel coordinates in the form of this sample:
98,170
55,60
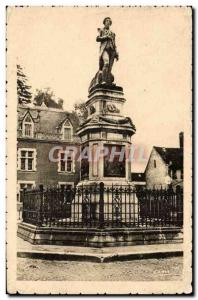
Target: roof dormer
67,130
28,125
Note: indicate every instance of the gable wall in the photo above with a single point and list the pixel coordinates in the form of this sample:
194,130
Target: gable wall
155,177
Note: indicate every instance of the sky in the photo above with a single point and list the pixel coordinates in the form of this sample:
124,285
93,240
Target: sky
57,48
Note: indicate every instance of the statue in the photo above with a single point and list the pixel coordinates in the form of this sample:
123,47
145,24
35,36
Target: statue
108,53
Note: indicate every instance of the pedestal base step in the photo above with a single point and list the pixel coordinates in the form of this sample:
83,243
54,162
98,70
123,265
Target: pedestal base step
99,237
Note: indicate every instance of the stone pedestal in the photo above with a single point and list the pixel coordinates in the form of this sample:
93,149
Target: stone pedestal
106,133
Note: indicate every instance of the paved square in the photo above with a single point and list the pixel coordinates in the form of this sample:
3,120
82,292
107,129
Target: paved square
136,270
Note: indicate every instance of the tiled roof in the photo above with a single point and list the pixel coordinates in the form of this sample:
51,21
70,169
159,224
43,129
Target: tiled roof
47,120
171,156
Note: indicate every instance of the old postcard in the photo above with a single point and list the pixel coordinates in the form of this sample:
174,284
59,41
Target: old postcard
99,150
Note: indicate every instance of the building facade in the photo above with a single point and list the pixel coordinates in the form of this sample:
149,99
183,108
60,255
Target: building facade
165,167
43,136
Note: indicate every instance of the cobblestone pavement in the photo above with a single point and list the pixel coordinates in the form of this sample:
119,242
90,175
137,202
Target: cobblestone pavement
136,270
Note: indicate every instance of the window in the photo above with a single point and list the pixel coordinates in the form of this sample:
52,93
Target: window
66,185
66,161
154,163
67,131
24,185
27,159
28,126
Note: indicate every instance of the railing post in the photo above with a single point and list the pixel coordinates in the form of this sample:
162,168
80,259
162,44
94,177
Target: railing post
101,206
40,207
179,206
23,205
68,202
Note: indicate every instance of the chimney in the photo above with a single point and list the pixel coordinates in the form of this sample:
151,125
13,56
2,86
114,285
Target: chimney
181,140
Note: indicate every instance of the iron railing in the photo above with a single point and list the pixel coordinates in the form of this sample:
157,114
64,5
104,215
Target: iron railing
102,206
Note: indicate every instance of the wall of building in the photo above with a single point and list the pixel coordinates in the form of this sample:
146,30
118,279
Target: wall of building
155,177
46,171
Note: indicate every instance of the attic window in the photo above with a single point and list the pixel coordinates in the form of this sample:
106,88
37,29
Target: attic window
28,126
67,131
